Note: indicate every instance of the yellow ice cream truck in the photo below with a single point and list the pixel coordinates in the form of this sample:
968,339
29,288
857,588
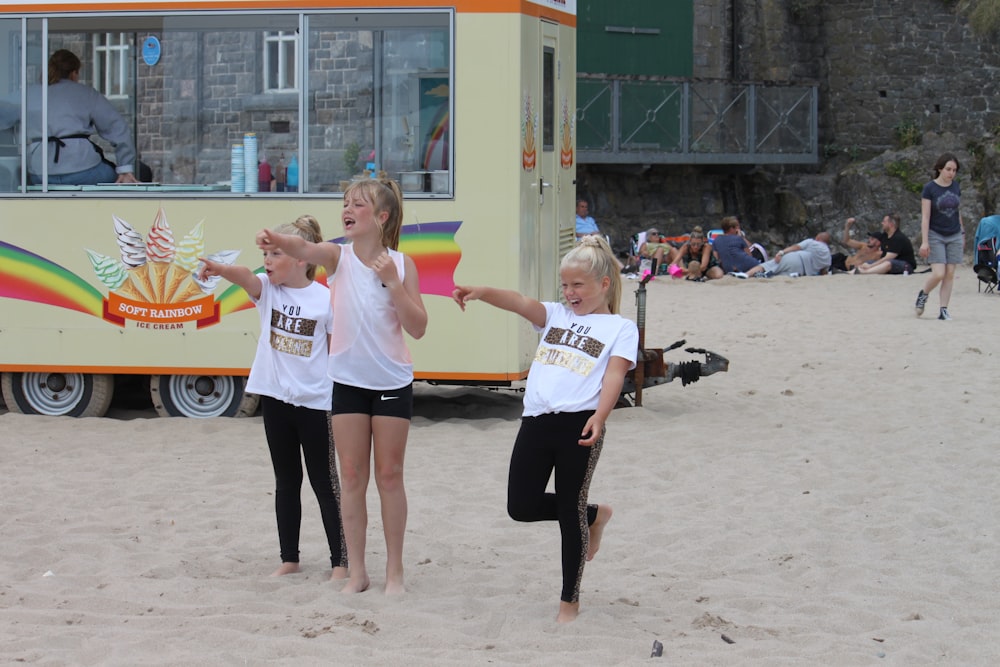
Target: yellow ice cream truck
242,115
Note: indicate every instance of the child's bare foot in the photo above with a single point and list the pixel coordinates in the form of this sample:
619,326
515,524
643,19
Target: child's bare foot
357,583
286,568
394,580
568,611
338,573
604,513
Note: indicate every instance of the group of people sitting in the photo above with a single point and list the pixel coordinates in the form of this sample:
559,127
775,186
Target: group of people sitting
694,259
698,258
887,251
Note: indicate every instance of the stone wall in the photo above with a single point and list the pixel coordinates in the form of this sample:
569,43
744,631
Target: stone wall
880,64
888,72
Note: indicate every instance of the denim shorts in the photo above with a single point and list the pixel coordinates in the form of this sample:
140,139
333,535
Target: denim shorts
945,249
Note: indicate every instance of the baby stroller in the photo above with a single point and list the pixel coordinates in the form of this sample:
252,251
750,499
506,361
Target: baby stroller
987,245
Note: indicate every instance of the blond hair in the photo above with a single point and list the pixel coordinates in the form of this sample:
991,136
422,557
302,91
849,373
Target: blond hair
384,195
593,255
305,227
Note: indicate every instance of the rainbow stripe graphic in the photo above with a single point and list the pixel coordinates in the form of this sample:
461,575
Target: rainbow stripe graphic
29,277
433,249
436,155
25,276
431,246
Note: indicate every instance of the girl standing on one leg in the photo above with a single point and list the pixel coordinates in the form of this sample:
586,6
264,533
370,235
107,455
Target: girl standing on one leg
376,296
573,384
289,374
942,232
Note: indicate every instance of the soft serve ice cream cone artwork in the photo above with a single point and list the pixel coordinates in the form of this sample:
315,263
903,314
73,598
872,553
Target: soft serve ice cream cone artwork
568,133
159,255
528,123
154,270
133,250
197,286
191,247
115,276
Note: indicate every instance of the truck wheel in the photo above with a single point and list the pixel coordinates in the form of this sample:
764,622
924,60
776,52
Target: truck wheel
58,394
197,395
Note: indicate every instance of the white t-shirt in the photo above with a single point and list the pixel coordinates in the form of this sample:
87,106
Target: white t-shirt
367,348
568,369
292,349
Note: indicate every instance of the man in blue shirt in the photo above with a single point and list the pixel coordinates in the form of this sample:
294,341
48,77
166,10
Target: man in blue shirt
585,224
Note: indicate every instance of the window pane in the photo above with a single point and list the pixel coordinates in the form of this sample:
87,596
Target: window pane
111,64
13,132
381,88
272,55
205,93
280,57
186,108
287,64
27,137
377,90
548,99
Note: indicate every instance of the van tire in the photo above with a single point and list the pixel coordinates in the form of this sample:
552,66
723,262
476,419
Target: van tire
58,394
197,396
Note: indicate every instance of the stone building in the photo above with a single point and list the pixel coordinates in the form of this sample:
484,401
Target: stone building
897,82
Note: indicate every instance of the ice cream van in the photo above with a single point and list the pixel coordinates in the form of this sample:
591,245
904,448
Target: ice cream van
239,115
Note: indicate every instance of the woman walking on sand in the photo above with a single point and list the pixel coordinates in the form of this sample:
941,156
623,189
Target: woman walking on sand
942,232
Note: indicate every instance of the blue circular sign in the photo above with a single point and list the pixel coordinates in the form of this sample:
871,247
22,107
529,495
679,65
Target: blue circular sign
151,50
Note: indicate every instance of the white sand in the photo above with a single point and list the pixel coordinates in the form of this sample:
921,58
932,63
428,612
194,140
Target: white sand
832,500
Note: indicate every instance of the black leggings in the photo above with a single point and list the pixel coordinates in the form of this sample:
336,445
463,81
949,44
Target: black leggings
543,443
287,427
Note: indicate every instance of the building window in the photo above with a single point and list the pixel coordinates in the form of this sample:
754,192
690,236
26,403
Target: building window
111,64
280,55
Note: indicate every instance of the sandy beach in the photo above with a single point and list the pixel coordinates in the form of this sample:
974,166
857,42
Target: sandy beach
831,500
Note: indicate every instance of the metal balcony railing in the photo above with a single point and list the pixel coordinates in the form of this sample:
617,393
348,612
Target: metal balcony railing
669,121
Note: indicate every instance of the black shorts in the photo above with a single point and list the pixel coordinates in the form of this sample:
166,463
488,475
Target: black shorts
350,400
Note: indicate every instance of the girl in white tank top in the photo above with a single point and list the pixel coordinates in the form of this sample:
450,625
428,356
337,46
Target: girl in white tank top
376,296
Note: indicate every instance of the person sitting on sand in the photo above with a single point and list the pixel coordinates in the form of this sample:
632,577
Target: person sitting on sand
657,249
869,250
697,259
732,248
808,257
898,257
585,224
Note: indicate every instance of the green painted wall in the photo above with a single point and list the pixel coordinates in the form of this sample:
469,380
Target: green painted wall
661,46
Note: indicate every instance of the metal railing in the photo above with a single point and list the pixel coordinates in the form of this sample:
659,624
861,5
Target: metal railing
669,121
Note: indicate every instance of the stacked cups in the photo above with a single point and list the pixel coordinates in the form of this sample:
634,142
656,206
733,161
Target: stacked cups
237,169
250,162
